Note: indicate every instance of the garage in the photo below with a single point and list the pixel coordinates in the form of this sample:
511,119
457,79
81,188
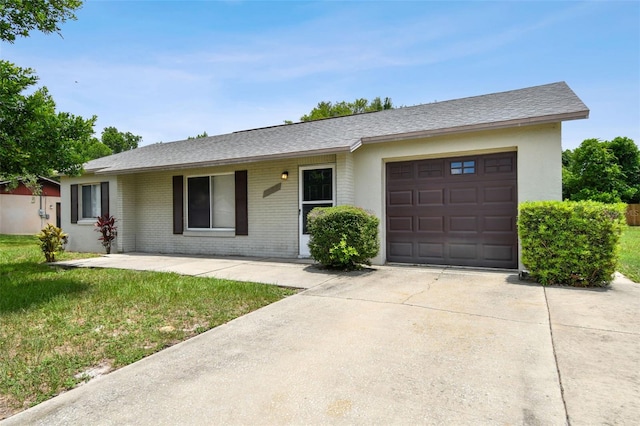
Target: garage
453,211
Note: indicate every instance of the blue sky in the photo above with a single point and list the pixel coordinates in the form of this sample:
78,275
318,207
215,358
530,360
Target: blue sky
167,70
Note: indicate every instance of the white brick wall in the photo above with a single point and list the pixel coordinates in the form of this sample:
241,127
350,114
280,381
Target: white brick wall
345,179
143,207
126,213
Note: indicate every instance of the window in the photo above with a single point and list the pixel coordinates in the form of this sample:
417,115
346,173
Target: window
88,202
463,167
90,199
211,202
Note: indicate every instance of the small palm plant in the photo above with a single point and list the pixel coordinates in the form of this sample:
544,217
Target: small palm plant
52,241
106,225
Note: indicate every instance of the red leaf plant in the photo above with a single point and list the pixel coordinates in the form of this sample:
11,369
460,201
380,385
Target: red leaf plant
106,225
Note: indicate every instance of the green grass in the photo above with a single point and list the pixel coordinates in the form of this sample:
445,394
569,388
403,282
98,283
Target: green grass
629,264
57,323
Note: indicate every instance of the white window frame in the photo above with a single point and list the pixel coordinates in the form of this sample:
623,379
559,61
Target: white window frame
303,239
211,205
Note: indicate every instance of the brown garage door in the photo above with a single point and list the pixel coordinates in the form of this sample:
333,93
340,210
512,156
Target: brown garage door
453,211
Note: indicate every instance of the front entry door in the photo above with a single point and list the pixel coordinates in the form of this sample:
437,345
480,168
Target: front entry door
317,189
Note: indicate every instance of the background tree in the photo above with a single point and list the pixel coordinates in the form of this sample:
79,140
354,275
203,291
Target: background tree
326,109
203,135
19,17
119,141
34,138
94,149
602,171
567,154
628,156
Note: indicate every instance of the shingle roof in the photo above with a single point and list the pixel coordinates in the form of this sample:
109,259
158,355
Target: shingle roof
534,105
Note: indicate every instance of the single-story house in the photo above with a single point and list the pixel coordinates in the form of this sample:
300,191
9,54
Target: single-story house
23,212
444,178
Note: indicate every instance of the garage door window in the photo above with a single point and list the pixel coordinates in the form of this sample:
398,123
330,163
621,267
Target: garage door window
463,167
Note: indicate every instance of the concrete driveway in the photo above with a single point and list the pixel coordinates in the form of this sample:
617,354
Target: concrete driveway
393,345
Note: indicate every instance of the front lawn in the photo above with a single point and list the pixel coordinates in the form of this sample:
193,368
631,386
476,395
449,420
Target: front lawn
630,253
56,324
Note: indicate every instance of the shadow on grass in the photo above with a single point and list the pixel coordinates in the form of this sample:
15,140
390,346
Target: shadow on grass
21,287
18,270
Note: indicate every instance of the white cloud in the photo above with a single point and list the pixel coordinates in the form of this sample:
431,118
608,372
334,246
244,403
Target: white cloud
222,82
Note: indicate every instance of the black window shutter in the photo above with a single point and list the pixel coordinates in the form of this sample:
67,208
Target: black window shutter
242,214
104,198
74,203
178,203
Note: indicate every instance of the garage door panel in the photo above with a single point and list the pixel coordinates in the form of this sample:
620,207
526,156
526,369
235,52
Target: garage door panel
401,198
463,251
431,197
499,224
467,218
431,251
499,194
468,195
401,250
400,171
463,223
503,253
401,224
431,224
499,164
430,169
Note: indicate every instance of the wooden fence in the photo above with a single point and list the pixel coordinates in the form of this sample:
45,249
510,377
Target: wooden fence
633,215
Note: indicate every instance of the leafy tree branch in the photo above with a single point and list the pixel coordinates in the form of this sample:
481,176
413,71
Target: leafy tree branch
19,17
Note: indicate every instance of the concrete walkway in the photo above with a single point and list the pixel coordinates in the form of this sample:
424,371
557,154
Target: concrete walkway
298,273
390,345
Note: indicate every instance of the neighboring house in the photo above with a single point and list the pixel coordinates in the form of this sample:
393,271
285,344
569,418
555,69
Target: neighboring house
444,178
23,213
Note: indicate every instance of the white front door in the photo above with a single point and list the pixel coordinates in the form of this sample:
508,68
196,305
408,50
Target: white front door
317,189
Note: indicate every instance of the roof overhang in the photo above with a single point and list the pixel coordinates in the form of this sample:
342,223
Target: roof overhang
40,178
221,162
555,118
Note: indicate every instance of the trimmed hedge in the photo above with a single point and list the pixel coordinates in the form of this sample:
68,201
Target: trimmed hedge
567,242
343,237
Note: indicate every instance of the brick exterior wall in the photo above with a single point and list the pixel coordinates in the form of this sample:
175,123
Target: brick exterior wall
345,179
125,213
145,215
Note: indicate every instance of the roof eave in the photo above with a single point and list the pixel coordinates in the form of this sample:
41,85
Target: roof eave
4,182
222,162
555,118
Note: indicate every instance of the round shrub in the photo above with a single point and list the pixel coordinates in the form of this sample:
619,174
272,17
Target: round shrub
343,237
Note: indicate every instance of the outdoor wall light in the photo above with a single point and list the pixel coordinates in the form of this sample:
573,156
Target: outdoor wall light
285,175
